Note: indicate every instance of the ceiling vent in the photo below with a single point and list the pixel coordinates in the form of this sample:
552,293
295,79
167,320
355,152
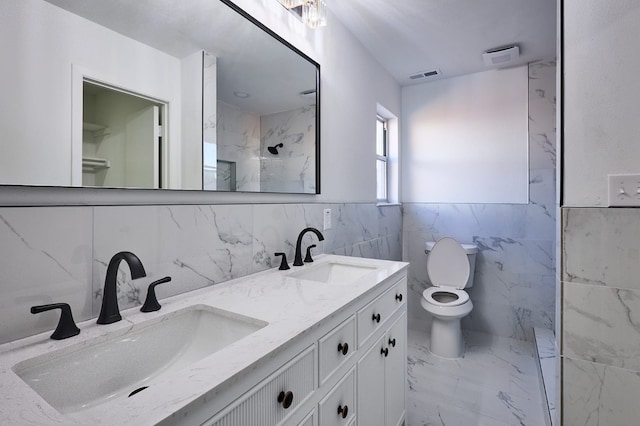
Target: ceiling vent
425,75
501,56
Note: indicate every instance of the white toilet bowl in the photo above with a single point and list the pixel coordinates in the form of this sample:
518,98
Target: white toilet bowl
449,265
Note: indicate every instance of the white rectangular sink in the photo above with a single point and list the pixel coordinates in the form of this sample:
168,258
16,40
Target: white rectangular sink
97,371
333,272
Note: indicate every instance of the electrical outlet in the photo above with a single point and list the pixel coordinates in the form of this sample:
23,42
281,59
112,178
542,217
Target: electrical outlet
624,190
327,219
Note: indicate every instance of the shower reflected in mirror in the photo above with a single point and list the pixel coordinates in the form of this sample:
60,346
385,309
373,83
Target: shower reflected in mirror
274,149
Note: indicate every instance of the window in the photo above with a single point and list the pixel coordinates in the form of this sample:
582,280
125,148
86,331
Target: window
382,160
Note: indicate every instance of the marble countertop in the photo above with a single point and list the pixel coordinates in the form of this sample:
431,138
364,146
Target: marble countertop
290,307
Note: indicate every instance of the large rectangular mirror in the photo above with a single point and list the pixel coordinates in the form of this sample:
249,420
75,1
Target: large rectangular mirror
167,94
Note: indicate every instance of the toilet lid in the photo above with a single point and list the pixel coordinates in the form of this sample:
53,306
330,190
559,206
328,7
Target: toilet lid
448,264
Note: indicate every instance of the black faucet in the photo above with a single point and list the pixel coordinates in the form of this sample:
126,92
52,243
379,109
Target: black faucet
109,312
298,258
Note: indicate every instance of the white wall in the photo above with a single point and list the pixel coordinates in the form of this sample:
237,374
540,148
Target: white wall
466,139
39,45
601,92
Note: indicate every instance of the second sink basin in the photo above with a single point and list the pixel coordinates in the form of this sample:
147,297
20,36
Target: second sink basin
333,272
98,371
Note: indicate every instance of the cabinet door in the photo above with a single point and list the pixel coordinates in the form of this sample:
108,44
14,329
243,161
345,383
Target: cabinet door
395,371
371,386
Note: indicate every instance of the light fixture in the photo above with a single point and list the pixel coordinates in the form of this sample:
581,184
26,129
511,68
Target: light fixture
314,13
290,4
311,12
241,95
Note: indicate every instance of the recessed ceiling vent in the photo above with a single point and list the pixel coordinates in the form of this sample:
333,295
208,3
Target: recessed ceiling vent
501,56
425,74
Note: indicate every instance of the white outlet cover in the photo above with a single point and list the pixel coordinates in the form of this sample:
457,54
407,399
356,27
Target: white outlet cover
327,219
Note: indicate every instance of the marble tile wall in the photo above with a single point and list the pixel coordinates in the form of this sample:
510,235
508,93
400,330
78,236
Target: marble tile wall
293,168
238,140
601,316
60,254
515,279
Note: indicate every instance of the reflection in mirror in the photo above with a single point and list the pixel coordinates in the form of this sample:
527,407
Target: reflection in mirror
218,87
121,138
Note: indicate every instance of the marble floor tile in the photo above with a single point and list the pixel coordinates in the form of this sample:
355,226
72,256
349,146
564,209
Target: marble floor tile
495,383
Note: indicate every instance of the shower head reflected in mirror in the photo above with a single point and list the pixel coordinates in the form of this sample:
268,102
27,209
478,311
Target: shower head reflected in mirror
274,149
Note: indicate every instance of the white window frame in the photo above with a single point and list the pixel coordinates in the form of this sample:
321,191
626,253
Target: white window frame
382,188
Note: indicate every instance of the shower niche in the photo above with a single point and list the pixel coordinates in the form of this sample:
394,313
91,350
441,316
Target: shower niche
122,138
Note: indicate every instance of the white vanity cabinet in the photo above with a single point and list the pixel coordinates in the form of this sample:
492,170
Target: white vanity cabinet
351,372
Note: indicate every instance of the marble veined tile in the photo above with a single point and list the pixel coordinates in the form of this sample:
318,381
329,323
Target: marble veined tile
276,228
542,109
421,412
354,223
548,358
494,383
295,133
599,395
602,324
46,258
601,246
195,245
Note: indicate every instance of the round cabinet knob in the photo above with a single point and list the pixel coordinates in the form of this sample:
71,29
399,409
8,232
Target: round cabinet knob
392,342
399,297
375,317
343,347
385,352
343,411
286,399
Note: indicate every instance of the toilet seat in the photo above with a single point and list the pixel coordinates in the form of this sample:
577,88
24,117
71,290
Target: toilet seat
462,296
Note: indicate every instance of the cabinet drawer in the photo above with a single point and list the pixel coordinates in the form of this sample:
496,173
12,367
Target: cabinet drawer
265,404
336,347
338,408
310,420
372,316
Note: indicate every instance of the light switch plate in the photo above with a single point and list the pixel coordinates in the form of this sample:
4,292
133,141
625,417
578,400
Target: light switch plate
624,190
327,219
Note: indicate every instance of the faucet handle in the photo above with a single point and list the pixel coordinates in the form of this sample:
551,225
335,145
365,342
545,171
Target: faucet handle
283,263
308,258
66,326
151,302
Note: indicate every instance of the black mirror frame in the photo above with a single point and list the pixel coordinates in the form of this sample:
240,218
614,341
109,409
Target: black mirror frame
260,25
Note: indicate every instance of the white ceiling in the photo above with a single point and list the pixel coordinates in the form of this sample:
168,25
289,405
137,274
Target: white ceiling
407,36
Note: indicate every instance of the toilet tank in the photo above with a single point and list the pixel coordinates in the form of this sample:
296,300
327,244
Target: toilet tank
472,252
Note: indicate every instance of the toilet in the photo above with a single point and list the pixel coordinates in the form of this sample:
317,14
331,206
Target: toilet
450,269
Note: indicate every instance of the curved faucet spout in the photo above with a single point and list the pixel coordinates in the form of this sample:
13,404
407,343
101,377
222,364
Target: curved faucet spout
109,312
298,258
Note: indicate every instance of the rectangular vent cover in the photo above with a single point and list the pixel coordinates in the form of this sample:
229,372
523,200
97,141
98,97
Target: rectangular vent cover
424,74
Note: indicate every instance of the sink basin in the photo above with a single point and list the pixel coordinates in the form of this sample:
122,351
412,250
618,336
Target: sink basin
94,372
333,272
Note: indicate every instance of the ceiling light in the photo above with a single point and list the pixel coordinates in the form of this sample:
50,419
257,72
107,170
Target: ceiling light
314,13
242,95
290,4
